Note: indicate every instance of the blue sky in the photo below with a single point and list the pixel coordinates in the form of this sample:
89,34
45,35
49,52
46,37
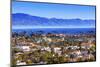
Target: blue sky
54,10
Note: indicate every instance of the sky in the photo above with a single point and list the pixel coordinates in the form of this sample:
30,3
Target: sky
48,10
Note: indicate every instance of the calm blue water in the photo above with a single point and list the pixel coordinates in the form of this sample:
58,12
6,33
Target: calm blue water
57,30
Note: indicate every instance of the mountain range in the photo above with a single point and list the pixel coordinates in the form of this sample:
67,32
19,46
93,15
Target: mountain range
21,19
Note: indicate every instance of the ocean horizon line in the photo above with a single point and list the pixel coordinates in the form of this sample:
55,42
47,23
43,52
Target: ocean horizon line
54,28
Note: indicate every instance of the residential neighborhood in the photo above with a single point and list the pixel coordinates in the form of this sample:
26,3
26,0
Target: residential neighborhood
52,48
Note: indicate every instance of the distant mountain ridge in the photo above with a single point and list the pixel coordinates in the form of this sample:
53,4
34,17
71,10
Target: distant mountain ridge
27,20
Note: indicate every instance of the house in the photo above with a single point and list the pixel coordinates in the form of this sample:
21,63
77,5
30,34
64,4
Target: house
85,45
26,48
46,49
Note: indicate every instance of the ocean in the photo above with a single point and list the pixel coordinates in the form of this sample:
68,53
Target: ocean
57,30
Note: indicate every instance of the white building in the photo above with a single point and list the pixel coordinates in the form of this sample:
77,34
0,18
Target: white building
46,48
23,48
